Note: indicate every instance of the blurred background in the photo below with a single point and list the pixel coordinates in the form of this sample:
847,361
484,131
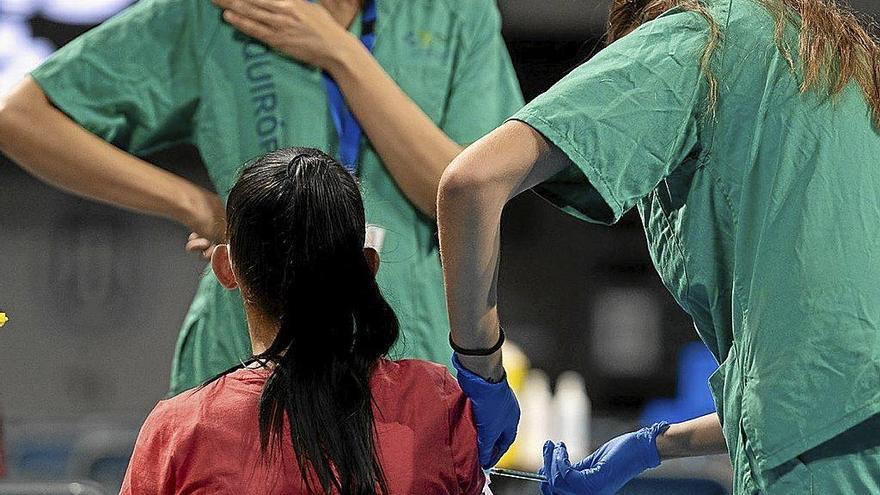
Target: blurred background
96,296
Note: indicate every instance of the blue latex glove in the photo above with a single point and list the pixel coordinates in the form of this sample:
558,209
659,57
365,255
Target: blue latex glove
496,413
607,469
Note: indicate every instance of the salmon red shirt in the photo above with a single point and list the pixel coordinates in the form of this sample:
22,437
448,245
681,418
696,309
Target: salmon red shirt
207,440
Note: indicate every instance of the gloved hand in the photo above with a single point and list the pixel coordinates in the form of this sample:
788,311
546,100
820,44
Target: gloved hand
607,469
496,413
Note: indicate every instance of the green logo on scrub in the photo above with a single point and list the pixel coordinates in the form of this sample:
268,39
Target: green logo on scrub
428,43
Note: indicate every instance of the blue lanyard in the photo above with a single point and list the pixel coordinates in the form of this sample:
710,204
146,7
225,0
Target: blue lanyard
347,127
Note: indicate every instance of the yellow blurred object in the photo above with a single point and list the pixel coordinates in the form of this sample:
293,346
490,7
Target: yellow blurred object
3,319
516,364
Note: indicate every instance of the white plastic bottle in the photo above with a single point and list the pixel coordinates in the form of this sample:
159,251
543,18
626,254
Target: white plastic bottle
534,430
571,409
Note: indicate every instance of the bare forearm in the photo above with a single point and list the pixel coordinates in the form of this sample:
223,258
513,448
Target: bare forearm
49,145
697,437
413,148
470,221
473,193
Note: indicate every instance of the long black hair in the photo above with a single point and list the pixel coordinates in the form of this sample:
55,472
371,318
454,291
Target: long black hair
296,230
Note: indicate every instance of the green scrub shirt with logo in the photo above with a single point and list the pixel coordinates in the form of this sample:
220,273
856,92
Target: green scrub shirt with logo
171,71
762,219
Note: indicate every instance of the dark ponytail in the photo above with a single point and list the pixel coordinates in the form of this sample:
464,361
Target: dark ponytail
296,230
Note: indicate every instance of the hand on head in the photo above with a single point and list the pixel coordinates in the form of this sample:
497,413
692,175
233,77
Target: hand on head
208,223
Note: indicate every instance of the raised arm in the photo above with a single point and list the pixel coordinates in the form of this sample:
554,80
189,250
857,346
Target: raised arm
51,146
414,149
54,148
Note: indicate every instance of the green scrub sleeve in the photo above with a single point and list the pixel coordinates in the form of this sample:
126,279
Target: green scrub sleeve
626,118
484,90
134,80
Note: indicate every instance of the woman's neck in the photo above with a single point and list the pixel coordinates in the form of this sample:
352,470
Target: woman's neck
262,329
344,11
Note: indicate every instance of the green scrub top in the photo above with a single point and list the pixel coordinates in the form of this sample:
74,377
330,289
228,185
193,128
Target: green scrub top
169,71
763,220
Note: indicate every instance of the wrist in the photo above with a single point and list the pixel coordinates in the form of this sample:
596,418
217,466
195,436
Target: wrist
189,206
654,439
344,55
486,368
668,443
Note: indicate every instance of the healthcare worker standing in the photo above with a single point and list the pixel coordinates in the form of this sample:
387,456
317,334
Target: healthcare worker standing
391,87
746,134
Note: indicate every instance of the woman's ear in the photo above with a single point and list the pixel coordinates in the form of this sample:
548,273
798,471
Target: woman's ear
222,266
372,259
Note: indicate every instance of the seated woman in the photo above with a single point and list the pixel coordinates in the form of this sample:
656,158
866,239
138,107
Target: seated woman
318,409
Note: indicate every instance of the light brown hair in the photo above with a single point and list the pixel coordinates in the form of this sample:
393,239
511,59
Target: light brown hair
834,46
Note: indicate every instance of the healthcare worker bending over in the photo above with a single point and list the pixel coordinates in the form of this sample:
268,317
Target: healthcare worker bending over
746,134
419,76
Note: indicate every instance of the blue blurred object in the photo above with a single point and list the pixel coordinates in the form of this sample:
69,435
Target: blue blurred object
102,455
38,452
96,450
672,486
693,399
47,488
42,461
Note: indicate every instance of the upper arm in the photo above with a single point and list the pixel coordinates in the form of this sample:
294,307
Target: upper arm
626,118
134,80
484,89
25,104
462,437
509,160
151,468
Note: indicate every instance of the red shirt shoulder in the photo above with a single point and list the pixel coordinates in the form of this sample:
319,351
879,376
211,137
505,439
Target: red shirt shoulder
419,396
185,443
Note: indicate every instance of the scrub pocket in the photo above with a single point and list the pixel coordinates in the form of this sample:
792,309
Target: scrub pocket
791,478
848,464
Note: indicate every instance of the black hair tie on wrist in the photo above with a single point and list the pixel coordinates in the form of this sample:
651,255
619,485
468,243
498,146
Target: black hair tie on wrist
461,351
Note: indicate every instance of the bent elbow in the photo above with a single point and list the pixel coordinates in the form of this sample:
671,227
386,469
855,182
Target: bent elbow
463,178
470,182
6,120
12,118
19,109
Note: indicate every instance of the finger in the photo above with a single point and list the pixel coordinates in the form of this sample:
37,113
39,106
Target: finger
278,6
548,459
505,441
198,245
260,16
501,445
486,451
192,236
207,253
560,464
247,26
